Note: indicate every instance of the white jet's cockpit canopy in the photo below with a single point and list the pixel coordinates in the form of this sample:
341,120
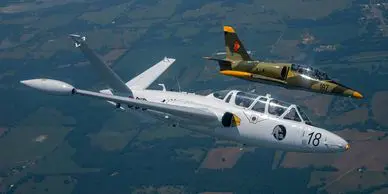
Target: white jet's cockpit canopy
263,104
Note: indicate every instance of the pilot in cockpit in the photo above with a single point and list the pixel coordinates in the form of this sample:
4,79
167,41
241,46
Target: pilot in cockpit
244,102
320,75
275,109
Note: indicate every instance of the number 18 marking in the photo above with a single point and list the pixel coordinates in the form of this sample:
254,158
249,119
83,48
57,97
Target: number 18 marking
316,139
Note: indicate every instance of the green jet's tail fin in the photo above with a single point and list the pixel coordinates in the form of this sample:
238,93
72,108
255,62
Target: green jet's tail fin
234,48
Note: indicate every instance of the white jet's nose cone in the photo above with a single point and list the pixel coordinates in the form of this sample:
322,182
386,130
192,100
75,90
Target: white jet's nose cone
345,145
50,86
339,143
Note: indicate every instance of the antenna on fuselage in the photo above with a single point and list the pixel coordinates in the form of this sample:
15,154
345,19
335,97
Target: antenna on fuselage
163,87
179,86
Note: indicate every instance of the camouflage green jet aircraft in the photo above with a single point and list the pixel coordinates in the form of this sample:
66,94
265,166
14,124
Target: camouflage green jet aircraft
239,64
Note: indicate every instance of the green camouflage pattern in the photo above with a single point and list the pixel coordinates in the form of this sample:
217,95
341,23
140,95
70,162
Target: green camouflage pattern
238,63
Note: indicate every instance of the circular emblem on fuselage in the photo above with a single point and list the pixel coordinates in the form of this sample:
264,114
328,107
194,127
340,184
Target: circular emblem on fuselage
279,132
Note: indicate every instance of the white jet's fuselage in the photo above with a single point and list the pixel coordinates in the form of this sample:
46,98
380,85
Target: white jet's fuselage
255,128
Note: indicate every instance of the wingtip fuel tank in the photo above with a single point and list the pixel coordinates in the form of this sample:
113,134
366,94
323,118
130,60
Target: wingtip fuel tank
51,86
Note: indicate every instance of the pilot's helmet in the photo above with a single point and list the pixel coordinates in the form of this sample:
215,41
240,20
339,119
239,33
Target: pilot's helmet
245,102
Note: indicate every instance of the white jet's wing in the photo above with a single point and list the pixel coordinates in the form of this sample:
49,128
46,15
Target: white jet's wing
57,87
112,79
175,110
146,78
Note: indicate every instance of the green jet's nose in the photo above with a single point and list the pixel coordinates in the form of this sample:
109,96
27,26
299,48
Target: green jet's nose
357,95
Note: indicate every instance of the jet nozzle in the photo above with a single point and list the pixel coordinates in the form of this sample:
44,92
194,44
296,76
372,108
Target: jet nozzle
50,86
357,95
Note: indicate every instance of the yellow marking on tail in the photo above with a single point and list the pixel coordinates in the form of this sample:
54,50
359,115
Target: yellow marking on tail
229,29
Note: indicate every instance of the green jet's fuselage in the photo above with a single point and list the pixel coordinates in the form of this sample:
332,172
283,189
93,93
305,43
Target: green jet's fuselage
288,75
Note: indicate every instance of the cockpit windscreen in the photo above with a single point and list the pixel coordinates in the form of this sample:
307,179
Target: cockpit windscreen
309,71
304,116
292,115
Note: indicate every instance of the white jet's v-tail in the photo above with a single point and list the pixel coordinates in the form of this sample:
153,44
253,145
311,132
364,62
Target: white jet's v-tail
231,114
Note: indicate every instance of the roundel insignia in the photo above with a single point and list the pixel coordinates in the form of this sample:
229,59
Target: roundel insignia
279,132
236,46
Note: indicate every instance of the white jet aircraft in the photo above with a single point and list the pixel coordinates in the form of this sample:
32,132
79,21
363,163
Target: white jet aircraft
235,115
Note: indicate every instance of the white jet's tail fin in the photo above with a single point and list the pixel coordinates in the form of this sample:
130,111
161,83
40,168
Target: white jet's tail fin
145,79
113,80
